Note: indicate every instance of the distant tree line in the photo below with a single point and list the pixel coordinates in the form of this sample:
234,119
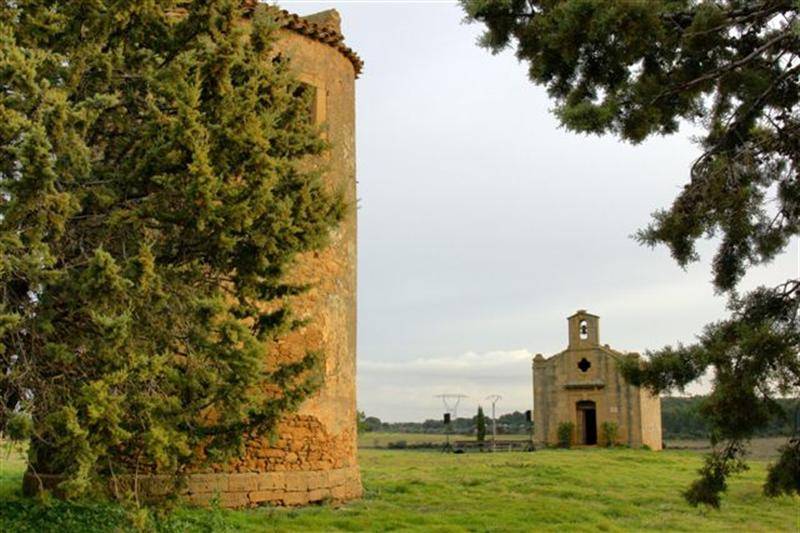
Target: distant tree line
681,418
510,423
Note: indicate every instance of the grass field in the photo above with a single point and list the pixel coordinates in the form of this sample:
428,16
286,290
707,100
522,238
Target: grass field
548,490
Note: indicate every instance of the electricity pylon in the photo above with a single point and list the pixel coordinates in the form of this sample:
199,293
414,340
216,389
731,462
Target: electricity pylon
450,402
494,398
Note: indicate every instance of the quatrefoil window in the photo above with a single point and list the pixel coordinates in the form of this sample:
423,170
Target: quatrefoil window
584,365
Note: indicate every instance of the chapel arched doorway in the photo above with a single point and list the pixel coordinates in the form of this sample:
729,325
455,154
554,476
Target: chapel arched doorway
587,422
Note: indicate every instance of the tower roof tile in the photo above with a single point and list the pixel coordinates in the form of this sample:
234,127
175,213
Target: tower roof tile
313,30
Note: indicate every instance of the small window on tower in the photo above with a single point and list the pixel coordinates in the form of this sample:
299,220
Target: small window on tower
584,365
308,92
584,329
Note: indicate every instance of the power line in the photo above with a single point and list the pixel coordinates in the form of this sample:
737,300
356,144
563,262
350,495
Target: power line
450,402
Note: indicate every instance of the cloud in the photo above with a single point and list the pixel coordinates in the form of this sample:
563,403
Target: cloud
469,361
406,390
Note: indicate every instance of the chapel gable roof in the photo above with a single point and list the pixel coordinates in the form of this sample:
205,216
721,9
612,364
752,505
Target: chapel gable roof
605,349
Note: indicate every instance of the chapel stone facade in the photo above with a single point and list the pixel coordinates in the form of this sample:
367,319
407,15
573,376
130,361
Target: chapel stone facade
582,385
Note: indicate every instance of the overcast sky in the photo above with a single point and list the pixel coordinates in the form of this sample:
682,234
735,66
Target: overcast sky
484,224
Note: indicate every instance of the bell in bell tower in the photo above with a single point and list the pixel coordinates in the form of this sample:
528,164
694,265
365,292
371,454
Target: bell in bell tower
583,329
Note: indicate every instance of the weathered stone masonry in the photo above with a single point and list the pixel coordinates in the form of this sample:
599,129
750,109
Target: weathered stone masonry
314,456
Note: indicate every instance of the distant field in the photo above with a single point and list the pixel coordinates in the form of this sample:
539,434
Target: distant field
761,448
382,440
549,490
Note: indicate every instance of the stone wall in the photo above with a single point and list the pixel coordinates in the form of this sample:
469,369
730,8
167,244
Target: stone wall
276,488
313,454
651,420
232,489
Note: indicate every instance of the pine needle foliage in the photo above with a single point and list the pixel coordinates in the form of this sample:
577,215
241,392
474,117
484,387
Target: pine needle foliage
153,194
636,68
480,425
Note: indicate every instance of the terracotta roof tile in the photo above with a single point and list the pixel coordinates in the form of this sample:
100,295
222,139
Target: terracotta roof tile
318,32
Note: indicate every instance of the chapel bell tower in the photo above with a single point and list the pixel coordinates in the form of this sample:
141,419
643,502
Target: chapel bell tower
584,330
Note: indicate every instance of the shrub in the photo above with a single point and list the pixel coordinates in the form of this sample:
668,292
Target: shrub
609,432
481,425
782,477
398,445
565,430
424,445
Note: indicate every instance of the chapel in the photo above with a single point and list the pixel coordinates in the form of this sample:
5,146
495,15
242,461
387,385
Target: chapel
582,385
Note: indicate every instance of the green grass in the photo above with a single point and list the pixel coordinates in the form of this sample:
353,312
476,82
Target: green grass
548,490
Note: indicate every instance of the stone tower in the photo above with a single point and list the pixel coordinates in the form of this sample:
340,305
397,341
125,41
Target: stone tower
313,457
582,385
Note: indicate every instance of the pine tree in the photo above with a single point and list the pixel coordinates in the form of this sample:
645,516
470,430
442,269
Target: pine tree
152,198
636,69
480,425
